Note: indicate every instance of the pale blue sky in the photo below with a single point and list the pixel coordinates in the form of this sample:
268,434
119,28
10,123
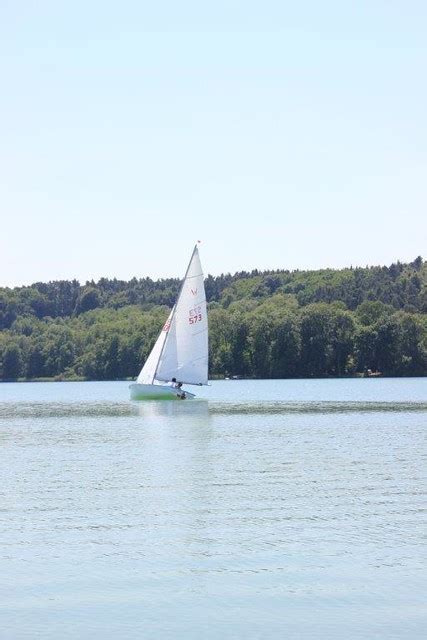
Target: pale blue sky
283,135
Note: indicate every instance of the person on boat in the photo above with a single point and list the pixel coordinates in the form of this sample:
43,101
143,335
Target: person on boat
178,386
181,393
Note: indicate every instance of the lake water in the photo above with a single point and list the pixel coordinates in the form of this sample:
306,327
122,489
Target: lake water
271,509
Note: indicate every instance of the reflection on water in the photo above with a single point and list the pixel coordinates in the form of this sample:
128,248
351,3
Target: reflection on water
152,408
292,511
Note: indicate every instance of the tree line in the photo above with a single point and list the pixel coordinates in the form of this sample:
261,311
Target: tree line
261,324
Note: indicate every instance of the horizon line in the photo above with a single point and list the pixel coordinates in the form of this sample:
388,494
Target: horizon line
223,273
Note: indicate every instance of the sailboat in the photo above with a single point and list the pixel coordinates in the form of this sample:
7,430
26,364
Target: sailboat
180,354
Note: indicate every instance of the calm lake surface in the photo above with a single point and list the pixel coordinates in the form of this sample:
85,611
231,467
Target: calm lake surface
271,509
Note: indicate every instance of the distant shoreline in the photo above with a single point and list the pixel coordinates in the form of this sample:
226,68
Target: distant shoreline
213,378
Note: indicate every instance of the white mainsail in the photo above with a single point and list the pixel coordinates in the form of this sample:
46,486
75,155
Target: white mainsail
181,350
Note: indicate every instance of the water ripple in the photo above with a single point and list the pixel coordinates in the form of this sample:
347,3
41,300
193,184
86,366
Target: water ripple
117,409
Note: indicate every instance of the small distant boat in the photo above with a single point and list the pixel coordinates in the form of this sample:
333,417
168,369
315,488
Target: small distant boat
180,354
373,374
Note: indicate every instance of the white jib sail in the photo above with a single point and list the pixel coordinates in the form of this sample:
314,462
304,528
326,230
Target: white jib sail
185,351
148,370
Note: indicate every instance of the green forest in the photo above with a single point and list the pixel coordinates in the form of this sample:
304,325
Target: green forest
272,324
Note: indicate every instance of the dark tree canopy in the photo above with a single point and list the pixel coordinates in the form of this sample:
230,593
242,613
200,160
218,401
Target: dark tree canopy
262,324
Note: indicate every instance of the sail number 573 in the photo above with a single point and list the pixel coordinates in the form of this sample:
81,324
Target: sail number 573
195,315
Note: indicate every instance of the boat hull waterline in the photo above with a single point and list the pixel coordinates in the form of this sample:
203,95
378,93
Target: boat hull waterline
156,392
